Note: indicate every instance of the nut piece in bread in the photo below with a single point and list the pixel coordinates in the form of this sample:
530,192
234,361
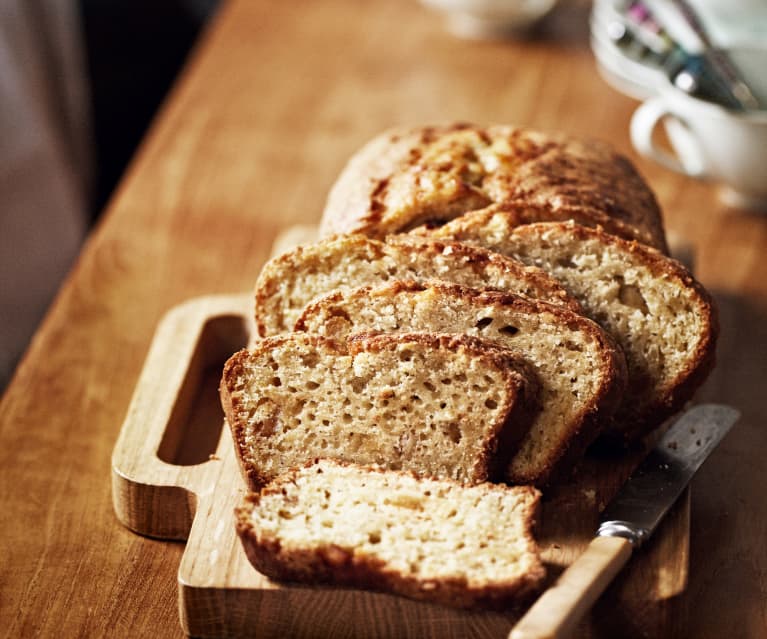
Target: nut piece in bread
446,406
462,546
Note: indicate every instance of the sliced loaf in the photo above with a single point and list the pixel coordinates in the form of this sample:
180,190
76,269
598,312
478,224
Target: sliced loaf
580,369
290,281
438,405
462,546
408,177
664,320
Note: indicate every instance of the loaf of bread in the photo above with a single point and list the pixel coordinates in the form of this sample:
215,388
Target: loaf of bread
447,406
410,177
462,546
580,369
290,281
663,319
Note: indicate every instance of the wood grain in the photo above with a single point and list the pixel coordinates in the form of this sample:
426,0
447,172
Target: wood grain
272,103
175,476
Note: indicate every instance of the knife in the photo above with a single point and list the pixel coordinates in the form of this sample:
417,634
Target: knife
628,521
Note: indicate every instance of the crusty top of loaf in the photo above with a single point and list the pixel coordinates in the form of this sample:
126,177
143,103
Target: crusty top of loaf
408,177
290,281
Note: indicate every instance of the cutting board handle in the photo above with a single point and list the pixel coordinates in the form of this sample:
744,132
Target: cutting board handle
161,461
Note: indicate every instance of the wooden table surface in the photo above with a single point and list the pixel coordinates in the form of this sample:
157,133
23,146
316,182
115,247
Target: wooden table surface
272,102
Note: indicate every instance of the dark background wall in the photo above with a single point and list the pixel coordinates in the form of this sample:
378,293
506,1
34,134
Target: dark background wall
134,50
79,85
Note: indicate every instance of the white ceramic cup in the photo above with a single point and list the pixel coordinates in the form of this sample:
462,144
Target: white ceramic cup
709,142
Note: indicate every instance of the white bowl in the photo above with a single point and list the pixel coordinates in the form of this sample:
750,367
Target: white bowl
490,18
627,76
623,74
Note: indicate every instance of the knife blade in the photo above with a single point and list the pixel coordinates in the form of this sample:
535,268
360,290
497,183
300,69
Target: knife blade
629,520
651,490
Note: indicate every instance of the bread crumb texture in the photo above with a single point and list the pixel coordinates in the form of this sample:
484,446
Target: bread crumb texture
663,319
436,405
289,282
580,371
389,530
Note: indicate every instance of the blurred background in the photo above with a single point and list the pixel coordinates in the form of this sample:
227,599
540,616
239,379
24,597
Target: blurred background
80,81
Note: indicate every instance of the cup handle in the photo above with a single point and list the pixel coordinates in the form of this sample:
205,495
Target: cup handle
688,158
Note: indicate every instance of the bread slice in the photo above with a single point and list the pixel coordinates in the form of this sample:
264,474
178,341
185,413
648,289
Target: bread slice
505,216
290,281
405,178
445,406
462,546
663,319
580,369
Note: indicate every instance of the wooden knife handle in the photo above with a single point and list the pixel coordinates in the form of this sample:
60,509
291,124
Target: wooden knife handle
557,612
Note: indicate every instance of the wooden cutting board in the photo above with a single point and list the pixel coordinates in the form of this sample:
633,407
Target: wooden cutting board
175,476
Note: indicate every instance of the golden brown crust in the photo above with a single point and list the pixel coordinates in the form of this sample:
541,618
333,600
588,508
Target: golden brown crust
513,215
291,280
538,283
339,566
518,302
232,369
406,178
